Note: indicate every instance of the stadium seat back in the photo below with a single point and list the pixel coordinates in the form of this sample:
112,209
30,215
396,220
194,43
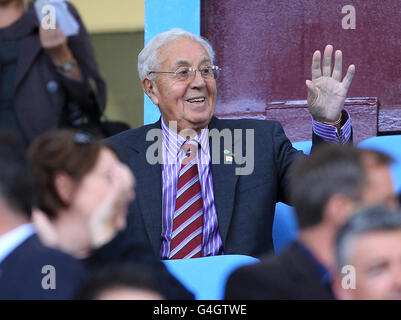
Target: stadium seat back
285,226
206,277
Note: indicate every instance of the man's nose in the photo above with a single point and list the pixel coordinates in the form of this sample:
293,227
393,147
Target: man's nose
197,80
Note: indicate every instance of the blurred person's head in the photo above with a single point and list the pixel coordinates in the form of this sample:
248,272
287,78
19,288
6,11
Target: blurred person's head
75,175
165,68
121,282
334,181
369,246
7,2
24,3
330,185
379,188
16,184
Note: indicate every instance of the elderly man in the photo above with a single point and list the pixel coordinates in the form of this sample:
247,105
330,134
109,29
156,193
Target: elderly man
192,203
368,255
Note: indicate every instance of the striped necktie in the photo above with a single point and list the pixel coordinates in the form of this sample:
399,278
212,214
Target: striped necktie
186,238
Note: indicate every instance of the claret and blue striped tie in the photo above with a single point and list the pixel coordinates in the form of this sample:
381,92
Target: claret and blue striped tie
186,239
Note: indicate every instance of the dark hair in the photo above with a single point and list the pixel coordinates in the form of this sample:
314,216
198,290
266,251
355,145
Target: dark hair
372,219
16,181
330,169
373,158
57,151
111,276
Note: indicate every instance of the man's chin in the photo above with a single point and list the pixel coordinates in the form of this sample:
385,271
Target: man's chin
195,123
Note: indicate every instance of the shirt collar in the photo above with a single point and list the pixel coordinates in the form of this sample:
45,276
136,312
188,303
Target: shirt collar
13,238
323,273
173,142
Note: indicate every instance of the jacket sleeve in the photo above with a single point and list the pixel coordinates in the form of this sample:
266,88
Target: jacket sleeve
285,155
122,249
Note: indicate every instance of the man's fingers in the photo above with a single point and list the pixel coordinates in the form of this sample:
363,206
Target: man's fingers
316,69
338,66
328,52
349,76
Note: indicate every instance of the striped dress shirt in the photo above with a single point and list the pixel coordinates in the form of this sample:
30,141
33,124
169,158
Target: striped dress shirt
172,158
330,133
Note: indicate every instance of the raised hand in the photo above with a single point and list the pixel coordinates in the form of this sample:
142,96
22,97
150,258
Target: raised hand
54,42
110,216
326,91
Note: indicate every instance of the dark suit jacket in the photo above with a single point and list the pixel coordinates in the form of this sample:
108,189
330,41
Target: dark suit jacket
288,275
21,273
245,204
124,250
42,93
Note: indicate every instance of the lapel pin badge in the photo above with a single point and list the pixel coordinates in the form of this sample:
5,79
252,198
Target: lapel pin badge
228,156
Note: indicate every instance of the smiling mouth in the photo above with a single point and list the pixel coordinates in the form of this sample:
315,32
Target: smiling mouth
196,100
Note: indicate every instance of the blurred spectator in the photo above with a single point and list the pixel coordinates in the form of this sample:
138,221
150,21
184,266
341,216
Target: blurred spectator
23,258
121,282
368,246
84,191
46,79
326,188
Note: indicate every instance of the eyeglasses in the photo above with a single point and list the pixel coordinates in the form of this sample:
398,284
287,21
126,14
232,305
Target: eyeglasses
186,73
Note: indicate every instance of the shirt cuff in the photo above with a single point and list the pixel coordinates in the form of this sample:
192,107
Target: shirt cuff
330,133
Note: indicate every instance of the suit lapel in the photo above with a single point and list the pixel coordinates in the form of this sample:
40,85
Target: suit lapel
224,183
149,177
302,271
149,194
29,49
27,30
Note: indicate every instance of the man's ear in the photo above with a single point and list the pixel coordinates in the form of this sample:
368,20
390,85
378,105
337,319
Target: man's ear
150,88
338,209
64,186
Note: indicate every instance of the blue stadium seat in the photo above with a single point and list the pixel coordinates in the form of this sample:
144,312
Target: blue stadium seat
285,226
305,146
206,277
392,146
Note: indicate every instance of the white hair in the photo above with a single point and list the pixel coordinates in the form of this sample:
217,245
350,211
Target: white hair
148,59
367,220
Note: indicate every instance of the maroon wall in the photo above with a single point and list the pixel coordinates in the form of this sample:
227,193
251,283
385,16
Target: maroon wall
265,49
